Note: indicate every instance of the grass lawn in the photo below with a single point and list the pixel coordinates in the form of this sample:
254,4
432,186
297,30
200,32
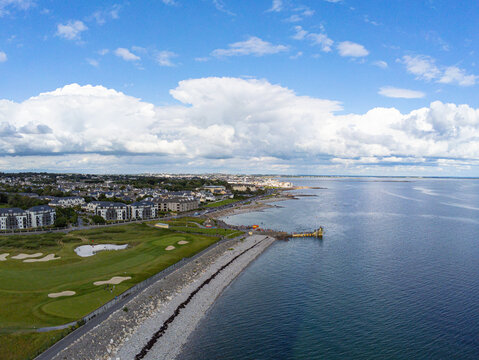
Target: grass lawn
222,202
28,345
24,287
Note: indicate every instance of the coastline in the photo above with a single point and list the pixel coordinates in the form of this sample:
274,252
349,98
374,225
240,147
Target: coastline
254,206
125,333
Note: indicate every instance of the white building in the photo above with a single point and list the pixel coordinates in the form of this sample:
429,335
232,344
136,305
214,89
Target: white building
143,210
13,218
68,201
42,215
111,210
37,216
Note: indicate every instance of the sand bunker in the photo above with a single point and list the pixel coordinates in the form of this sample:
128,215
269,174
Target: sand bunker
45,258
183,242
63,293
113,281
26,256
171,247
90,250
3,257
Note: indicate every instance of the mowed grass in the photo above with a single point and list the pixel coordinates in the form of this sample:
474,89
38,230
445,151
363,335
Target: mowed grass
24,287
222,202
28,345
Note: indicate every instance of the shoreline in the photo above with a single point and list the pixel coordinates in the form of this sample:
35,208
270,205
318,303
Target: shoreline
126,331
255,206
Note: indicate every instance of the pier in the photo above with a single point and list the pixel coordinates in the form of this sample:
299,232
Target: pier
317,233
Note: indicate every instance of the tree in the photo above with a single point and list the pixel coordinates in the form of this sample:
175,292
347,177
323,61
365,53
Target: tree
61,222
97,219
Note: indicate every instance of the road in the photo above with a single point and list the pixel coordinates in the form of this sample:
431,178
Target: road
203,211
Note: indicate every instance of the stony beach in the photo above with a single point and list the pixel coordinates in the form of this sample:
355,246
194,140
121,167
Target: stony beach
187,293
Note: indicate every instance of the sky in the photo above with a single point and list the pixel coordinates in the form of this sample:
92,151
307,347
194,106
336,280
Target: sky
318,87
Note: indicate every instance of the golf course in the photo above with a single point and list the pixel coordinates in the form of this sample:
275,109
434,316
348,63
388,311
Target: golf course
43,282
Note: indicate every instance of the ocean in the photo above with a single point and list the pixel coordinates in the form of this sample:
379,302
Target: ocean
396,276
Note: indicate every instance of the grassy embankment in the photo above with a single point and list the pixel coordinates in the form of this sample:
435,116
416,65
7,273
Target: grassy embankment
222,202
24,287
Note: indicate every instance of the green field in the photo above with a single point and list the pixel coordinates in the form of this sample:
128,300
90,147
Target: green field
24,287
222,202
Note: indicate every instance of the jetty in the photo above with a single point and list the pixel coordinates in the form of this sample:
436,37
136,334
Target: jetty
316,233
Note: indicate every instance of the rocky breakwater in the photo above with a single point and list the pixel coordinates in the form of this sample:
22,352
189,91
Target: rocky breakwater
157,322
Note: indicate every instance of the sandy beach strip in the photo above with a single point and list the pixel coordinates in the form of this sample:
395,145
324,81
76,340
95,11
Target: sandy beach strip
125,333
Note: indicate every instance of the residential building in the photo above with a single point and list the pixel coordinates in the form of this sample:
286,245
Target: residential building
215,189
68,201
40,216
143,210
111,210
13,218
37,216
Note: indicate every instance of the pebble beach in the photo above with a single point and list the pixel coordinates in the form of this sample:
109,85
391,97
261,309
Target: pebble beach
175,304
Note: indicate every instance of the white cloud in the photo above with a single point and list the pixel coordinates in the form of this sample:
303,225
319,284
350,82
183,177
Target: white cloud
3,57
349,48
92,62
380,63
169,2
227,122
164,58
425,68
453,74
101,16
298,55
294,18
5,5
126,54
220,6
322,40
316,39
253,46
71,30
300,33
276,6
394,92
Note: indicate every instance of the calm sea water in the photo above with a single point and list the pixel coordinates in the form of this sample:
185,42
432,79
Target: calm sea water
395,277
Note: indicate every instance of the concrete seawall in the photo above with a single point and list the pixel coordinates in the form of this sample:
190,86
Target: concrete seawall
126,332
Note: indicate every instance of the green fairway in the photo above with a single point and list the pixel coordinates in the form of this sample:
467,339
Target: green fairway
24,287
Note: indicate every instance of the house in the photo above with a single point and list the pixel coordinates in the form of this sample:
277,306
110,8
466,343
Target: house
68,201
215,189
13,218
109,210
39,216
244,187
143,210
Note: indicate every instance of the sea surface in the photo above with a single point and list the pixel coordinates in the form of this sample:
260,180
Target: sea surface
395,277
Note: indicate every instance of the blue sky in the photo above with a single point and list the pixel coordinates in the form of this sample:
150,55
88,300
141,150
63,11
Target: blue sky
385,86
